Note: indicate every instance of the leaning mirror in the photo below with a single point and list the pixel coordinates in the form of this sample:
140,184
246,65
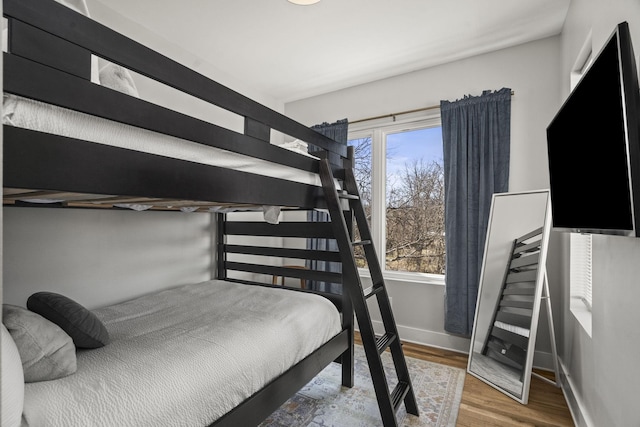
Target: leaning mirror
510,290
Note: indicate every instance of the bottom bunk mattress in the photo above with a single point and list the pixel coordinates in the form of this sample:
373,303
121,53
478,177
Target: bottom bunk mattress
184,356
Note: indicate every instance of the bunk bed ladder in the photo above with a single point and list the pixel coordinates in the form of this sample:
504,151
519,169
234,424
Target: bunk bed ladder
388,401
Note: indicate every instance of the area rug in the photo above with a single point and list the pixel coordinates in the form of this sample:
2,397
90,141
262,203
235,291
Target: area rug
324,402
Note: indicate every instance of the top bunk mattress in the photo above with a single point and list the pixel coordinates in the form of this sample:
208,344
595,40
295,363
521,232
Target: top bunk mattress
35,115
184,356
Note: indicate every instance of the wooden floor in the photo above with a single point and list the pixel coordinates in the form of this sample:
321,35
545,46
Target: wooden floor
482,405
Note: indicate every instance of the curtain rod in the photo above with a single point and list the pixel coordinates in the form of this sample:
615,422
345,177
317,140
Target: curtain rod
400,113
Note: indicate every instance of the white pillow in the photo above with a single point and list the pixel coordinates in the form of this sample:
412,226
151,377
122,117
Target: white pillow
118,78
12,378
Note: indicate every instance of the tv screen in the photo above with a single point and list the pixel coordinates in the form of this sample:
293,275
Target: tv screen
594,146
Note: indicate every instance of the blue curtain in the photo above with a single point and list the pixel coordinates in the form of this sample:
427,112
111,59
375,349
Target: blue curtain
476,137
337,131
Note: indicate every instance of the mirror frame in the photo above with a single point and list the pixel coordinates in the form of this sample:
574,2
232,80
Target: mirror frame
539,285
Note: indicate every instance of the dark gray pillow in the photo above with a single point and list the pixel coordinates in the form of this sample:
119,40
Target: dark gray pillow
46,351
86,330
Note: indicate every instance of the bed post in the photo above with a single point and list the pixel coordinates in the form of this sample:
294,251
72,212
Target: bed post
348,314
256,129
221,253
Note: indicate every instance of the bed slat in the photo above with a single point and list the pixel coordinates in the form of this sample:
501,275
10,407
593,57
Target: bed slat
77,166
329,256
270,270
320,230
32,43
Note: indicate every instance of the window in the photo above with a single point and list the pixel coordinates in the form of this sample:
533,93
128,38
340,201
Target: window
580,276
583,61
400,175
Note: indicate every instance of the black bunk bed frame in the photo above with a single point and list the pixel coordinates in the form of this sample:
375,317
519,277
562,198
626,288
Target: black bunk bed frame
50,48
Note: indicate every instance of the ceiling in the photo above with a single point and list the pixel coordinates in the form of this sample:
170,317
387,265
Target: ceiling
291,52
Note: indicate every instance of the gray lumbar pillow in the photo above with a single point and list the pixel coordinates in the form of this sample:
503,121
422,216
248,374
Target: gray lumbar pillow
86,330
46,351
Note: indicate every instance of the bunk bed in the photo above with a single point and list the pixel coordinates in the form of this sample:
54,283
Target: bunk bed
163,159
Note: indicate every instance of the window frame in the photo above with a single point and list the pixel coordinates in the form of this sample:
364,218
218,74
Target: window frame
581,278
378,133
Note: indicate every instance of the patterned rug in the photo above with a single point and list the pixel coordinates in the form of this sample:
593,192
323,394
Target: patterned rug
324,402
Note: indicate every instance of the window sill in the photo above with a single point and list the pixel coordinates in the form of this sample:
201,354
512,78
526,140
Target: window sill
582,314
398,276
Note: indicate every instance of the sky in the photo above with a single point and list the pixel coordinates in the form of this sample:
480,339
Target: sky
405,146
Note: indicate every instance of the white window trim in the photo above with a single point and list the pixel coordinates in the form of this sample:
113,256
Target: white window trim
580,279
378,134
408,277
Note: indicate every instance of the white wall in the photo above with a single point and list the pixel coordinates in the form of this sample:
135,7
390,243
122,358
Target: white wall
104,12
602,370
100,257
530,70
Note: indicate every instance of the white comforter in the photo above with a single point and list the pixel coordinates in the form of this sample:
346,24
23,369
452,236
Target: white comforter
184,357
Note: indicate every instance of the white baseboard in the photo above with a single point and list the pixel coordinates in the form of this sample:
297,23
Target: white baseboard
429,338
577,408
542,360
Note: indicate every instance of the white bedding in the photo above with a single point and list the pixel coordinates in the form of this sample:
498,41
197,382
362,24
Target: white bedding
30,114
184,357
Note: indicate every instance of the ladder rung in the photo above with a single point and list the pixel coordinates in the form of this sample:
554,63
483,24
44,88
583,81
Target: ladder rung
361,242
385,341
374,290
399,393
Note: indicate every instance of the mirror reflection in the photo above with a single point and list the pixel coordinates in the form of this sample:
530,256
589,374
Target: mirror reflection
511,281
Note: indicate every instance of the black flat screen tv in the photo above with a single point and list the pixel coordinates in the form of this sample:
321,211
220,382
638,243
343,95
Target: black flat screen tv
594,146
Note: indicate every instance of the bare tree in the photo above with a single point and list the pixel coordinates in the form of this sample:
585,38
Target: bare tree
415,219
414,213
362,172
362,168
